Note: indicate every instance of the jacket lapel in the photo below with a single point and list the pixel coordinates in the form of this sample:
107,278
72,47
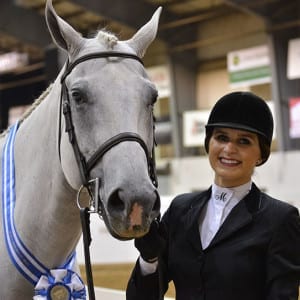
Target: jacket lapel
240,216
192,219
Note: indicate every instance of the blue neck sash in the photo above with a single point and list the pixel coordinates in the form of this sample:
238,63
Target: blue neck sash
31,268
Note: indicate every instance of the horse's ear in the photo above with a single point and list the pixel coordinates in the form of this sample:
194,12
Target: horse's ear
62,33
145,36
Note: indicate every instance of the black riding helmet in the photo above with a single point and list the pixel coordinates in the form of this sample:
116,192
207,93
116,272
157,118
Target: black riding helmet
245,111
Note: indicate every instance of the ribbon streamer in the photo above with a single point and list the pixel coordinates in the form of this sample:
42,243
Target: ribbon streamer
57,284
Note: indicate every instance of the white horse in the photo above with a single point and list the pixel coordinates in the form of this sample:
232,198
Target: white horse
107,99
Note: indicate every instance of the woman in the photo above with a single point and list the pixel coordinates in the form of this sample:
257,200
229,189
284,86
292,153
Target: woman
231,242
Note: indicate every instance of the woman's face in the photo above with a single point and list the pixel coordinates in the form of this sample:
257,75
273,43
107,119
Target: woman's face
233,155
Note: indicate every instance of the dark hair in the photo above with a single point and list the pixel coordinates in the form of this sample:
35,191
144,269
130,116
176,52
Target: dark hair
265,149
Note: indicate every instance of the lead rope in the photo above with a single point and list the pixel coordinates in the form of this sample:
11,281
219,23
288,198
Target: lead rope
87,239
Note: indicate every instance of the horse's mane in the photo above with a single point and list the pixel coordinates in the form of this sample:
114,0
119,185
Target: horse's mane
34,105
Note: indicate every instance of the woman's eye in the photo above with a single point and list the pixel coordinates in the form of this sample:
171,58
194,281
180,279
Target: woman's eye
221,138
244,141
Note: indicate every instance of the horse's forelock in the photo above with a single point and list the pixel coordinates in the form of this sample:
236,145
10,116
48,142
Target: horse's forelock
107,38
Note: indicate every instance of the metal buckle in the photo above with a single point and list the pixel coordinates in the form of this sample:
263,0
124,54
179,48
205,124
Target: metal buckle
92,188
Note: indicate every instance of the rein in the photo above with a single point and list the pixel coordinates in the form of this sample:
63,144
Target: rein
85,166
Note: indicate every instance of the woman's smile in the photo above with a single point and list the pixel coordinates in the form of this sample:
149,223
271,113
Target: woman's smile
229,162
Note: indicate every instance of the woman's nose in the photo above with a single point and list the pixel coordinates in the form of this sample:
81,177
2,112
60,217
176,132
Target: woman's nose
230,147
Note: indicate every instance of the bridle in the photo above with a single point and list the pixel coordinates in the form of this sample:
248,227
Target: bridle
85,166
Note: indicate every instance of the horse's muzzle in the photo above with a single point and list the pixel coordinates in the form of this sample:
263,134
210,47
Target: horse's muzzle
130,217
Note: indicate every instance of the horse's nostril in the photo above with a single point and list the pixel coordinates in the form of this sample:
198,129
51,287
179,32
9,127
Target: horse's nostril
118,203
115,203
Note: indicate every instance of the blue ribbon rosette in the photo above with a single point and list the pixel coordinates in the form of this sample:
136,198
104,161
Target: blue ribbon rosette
60,284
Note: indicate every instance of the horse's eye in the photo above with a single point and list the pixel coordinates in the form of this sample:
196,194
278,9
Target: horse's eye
77,97
154,99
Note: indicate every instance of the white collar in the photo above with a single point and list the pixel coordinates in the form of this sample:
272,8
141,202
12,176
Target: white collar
224,194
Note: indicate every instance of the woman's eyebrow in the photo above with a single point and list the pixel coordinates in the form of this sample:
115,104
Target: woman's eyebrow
240,134
220,131
247,135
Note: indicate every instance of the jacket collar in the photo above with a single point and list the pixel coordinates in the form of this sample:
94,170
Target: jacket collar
240,216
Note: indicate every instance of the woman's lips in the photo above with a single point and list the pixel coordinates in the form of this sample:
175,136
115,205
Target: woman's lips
229,161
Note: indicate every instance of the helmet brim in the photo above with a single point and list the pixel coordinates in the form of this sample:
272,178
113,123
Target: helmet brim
236,126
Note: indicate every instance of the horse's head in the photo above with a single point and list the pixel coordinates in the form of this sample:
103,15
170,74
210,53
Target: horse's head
110,101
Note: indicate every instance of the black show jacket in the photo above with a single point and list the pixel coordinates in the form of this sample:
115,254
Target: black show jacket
255,255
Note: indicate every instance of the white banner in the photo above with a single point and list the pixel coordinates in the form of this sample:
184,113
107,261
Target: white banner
249,67
160,76
194,127
293,59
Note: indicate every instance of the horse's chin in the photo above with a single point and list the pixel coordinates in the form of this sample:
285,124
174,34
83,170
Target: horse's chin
127,235
124,233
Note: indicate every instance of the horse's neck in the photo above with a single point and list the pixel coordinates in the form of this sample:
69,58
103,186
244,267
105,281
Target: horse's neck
46,215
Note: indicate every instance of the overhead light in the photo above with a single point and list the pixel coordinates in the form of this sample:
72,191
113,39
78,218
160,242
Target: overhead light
12,60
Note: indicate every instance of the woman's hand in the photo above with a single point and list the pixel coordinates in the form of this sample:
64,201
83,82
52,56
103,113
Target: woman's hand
152,244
